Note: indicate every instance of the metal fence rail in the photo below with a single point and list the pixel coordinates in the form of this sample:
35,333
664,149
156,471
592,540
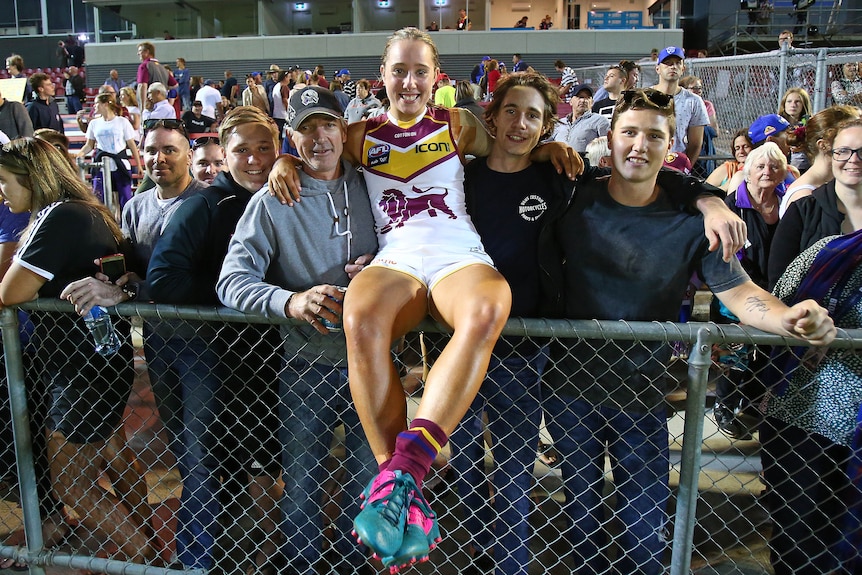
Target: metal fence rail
718,517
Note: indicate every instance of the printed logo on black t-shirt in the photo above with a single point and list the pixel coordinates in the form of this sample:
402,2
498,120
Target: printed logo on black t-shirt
532,207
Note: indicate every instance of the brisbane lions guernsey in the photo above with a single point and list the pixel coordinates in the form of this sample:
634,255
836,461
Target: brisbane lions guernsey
415,180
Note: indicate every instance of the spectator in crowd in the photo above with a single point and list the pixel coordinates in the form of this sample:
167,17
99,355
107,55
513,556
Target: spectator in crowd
89,391
598,154
230,88
433,26
722,175
262,275
568,80
280,101
115,81
848,88
785,39
795,107
74,90
321,76
338,91
221,387
614,83
831,209
129,101
183,78
195,122
491,77
76,52
364,101
371,322
196,83
59,141
464,24
479,70
445,94
254,93
521,23
43,109
270,82
111,135
15,67
622,411
157,106
207,159
349,85
647,64
631,74
690,110
739,391
582,125
811,436
816,142
147,71
61,55
703,168
14,120
84,117
769,128
211,99
465,98
518,64
546,23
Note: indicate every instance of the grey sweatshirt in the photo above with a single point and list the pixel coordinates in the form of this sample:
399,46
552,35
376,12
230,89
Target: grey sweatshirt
279,250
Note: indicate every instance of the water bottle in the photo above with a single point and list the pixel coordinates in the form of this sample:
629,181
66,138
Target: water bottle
101,327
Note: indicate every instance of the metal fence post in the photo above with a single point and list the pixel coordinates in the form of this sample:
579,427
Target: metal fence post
23,441
820,80
686,503
782,74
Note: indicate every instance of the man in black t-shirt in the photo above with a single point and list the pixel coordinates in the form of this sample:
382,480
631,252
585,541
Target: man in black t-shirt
624,249
195,122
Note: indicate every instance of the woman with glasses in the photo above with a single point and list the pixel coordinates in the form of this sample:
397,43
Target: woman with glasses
89,391
113,138
812,435
833,208
816,142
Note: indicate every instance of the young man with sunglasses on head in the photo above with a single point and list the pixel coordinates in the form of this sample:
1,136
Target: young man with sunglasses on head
207,159
624,249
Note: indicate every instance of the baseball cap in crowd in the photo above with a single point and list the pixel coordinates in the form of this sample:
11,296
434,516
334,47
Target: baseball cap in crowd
485,58
274,68
441,77
581,87
671,51
208,83
255,73
294,68
344,71
312,100
765,126
678,161
197,103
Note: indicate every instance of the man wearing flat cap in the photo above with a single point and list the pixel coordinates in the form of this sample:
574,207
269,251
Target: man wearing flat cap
583,125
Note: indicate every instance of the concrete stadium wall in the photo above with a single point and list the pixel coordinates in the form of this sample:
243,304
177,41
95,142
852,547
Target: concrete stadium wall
360,53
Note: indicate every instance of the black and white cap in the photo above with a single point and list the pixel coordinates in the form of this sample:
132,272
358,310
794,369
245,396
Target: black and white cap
312,100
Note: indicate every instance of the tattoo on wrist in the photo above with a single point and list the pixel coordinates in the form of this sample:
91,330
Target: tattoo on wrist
755,304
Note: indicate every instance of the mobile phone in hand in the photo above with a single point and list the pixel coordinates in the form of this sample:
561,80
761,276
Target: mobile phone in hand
113,266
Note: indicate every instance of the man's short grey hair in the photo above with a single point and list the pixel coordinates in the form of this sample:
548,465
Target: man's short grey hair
157,87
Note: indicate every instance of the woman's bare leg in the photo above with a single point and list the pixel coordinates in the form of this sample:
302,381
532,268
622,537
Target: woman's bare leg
475,301
380,306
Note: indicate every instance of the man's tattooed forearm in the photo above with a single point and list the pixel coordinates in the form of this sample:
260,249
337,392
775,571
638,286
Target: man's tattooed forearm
755,304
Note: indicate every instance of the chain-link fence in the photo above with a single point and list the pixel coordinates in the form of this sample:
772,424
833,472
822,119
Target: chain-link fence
229,451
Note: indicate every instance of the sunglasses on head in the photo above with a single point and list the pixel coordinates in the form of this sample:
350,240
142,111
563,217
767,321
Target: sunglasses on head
204,141
168,124
650,97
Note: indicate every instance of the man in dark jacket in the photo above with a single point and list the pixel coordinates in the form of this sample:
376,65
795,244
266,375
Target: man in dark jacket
43,109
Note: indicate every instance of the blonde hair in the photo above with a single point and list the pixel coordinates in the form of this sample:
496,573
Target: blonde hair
242,115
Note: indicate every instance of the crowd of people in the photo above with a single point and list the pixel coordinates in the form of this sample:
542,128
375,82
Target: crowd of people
374,221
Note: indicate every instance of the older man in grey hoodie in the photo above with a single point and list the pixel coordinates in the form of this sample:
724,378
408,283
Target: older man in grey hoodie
294,262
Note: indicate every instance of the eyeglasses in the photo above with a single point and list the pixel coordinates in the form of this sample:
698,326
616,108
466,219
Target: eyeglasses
648,96
168,124
844,154
204,141
696,88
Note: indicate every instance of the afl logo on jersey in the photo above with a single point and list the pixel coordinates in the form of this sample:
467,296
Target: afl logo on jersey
378,155
532,208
